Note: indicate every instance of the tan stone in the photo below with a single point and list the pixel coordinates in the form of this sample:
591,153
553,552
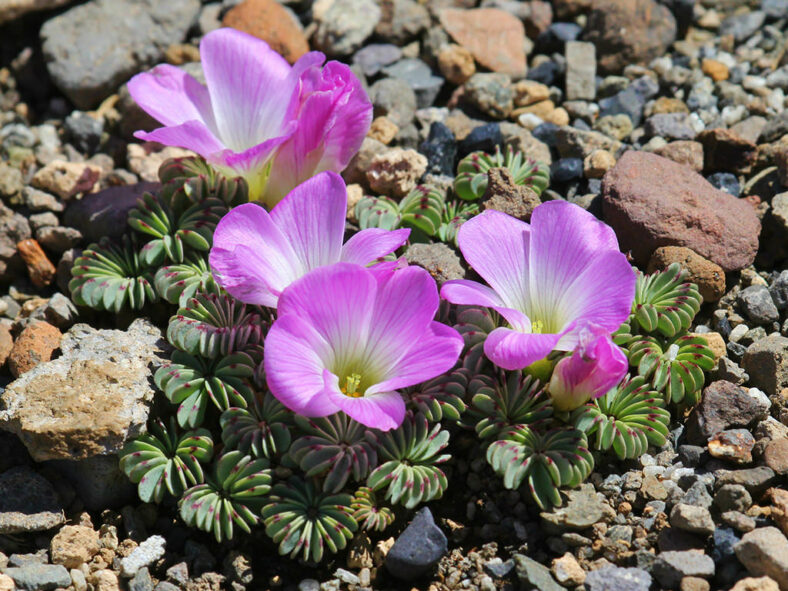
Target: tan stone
67,179
502,194
105,580
181,53
668,104
694,584
558,117
355,193
144,160
88,401
73,546
456,63
597,163
13,9
756,584
541,109
34,345
716,343
779,508
684,152
268,20
396,172
528,92
383,129
7,583
6,343
568,571
717,71
709,276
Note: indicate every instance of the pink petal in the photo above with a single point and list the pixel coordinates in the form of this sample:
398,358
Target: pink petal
512,350
471,293
312,219
337,301
370,244
435,352
250,87
333,118
192,135
251,258
295,359
602,295
593,368
171,96
565,241
496,246
384,411
406,303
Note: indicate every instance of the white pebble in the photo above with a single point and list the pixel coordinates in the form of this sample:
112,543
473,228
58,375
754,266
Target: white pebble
143,555
529,121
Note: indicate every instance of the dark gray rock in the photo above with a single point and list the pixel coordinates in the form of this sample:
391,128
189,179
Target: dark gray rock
755,480
40,577
697,494
401,21
779,290
28,502
732,497
124,36
534,575
671,567
626,102
724,539
13,228
58,239
490,93
141,581
614,578
440,148
767,363
722,406
756,303
83,131
417,549
104,213
775,128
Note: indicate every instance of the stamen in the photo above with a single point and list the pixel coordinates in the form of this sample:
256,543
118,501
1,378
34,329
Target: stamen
537,326
352,382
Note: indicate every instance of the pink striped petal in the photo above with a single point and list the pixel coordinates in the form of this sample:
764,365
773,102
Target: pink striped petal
511,349
370,244
383,411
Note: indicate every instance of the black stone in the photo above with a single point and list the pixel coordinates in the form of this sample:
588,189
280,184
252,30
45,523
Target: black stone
484,137
566,169
440,149
417,549
83,131
546,73
546,133
725,181
692,455
683,10
554,38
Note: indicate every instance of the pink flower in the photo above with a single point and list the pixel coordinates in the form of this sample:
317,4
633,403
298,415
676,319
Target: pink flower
548,279
347,338
595,366
257,117
257,254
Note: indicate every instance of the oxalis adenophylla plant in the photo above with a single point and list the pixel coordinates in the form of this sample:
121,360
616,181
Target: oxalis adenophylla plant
318,384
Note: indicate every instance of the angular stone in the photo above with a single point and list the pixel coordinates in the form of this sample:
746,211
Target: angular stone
734,445
579,143
757,304
709,277
417,549
766,360
651,201
629,32
28,502
125,37
724,150
670,567
104,213
502,194
614,578
495,38
755,480
776,456
439,260
584,508
696,520
580,70
88,401
40,577
74,545
764,551
345,25
723,405
534,575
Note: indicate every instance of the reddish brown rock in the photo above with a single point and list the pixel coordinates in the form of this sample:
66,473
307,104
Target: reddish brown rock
39,267
34,345
651,201
629,32
776,455
268,20
722,406
494,37
709,276
779,498
724,150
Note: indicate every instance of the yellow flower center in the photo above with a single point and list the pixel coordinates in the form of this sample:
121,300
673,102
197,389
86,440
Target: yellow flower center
537,326
351,387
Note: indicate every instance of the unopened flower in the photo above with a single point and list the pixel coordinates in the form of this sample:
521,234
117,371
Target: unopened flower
257,254
547,279
593,368
258,117
347,338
